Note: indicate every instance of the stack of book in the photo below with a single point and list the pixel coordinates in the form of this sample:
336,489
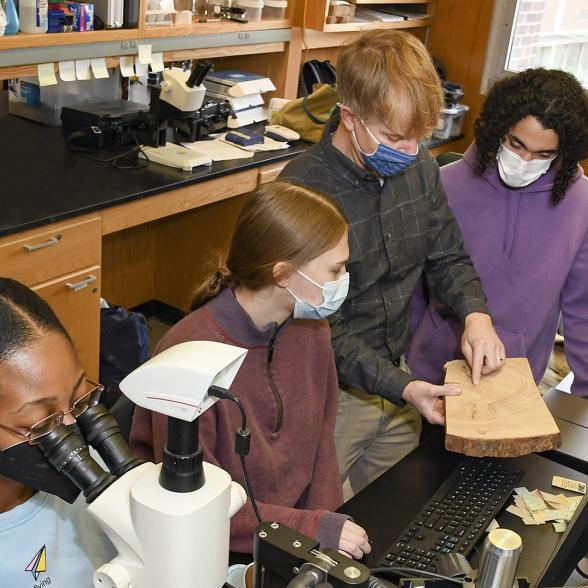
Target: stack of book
385,13
243,90
375,15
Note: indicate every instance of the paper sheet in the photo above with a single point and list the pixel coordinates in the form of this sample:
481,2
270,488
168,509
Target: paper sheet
145,57
558,515
566,384
534,503
127,68
518,512
99,69
46,73
83,69
67,71
141,69
219,150
535,508
555,501
157,63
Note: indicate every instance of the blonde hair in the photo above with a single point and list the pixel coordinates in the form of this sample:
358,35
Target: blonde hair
280,222
389,74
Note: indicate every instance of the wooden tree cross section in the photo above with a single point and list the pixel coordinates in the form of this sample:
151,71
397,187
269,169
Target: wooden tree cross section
504,416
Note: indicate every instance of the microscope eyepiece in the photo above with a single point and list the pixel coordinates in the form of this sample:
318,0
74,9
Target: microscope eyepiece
199,72
102,432
67,452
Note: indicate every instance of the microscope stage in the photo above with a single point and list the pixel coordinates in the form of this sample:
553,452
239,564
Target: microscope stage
176,156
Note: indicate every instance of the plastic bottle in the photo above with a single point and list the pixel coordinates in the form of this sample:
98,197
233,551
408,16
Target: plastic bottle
33,16
12,24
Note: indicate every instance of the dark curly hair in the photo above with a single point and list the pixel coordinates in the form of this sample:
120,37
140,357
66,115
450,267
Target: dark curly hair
556,99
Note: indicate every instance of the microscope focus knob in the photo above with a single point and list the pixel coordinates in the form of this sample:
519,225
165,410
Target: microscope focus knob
112,575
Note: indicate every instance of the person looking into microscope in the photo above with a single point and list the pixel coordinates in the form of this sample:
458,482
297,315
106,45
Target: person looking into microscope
43,540
284,273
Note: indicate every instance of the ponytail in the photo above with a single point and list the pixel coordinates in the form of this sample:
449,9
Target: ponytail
211,287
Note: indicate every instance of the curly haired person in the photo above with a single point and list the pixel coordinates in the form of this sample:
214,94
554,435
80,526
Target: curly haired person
521,201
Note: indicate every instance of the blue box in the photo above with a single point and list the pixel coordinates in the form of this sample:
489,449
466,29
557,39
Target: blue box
83,16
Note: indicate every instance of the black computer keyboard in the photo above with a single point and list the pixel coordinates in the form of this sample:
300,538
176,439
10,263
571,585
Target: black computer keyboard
456,516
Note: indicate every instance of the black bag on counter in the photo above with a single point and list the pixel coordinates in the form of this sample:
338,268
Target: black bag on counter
316,72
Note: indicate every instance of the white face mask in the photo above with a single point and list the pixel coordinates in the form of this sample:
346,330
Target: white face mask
334,294
516,172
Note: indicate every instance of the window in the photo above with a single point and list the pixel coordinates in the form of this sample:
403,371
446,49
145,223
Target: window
538,33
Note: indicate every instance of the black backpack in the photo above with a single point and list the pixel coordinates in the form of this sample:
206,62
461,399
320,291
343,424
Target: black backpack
124,346
316,72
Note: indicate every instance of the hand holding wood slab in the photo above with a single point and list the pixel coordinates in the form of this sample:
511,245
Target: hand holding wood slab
504,416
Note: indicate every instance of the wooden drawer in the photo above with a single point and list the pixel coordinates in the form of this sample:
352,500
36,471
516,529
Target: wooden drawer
269,173
75,299
52,250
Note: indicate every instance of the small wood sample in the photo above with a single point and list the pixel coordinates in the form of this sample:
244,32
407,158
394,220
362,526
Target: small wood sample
504,416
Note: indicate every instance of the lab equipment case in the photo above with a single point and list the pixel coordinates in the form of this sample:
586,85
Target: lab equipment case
104,125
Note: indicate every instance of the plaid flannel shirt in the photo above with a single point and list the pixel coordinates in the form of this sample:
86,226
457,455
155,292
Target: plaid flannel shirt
399,229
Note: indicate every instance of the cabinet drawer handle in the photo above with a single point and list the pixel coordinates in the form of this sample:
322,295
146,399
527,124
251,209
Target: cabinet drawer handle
53,241
81,284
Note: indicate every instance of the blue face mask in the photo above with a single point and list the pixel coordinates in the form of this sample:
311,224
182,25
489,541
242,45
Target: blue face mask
384,160
334,294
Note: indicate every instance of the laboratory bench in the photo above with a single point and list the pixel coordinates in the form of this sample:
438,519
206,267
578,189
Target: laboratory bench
75,229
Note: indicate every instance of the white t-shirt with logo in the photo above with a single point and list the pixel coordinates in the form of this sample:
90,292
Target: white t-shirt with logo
48,542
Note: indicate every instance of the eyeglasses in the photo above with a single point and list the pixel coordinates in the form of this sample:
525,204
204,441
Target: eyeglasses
48,424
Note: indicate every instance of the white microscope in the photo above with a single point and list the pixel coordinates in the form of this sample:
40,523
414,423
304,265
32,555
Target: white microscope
179,95
170,522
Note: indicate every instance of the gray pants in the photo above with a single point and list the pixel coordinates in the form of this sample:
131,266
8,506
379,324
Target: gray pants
371,435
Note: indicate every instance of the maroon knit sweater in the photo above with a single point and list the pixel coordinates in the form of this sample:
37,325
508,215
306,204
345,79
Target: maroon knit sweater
290,395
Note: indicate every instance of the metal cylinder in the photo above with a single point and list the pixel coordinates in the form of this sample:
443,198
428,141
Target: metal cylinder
500,556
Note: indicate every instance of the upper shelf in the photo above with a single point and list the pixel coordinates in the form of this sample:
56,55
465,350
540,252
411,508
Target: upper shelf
370,26
315,17
27,40
25,49
210,28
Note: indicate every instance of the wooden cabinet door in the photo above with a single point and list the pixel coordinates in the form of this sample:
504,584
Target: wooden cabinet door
75,299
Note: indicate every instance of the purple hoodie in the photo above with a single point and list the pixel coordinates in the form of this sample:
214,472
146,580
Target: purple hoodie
533,262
